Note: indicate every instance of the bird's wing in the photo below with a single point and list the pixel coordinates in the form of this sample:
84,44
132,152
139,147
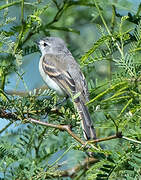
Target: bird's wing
66,73
57,73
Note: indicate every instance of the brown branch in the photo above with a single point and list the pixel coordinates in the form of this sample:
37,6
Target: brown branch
72,172
6,115
83,165
117,135
60,127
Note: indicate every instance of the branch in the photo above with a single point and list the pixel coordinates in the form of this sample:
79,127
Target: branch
13,116
6,115
3,129
64,7
132,140
55,2
60,127
83,165
58,15
63,29
117,135
72,172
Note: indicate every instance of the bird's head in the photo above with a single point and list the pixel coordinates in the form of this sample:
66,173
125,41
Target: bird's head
52,45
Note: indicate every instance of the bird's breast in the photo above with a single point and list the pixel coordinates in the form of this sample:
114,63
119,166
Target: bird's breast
49,81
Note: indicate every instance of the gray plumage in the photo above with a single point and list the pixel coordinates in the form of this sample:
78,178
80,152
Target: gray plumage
61,72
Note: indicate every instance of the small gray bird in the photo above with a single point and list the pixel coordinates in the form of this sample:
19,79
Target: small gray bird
61,73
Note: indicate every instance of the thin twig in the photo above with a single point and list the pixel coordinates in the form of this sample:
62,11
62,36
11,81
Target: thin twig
3,129
55,2
4,94
106,27
57,16
118,135
132,140
22,27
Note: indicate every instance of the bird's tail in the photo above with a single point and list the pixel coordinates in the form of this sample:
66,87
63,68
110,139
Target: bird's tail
87,126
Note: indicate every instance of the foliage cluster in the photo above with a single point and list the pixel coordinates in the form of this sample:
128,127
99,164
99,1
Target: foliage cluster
112,68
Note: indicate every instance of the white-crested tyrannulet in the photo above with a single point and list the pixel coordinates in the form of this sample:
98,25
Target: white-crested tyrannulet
61,73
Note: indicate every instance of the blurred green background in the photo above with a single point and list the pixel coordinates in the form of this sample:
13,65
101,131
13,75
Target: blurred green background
80,26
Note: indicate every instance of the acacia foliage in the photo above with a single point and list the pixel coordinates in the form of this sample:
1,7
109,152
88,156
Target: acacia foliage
112,68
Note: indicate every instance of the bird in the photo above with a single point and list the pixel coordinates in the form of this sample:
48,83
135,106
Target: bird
62,73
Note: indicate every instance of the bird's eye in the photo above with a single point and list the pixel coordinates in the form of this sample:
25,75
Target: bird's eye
45,44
